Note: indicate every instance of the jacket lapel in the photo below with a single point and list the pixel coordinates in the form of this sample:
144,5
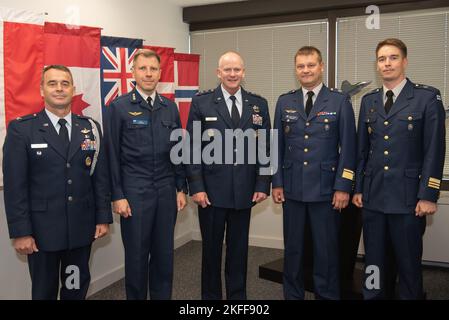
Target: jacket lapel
402,100
76,137
247,109
221,107
50,135
320,102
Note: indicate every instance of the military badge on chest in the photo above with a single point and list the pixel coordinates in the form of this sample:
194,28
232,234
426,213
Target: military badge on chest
88,143
257,118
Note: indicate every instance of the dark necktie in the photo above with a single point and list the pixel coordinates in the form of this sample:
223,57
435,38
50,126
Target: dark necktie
309,103
235,115
149,100
64,134
389,102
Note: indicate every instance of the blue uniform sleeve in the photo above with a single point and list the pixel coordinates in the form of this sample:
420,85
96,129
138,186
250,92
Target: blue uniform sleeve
363,147
113,128
279,140
434,147
346,164
15,178
194,171
101,184
263,178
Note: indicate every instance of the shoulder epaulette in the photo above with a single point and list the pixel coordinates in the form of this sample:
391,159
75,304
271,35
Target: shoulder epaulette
83,117
336,90
27,117
205,92
290,92
255,95
373,91
423,86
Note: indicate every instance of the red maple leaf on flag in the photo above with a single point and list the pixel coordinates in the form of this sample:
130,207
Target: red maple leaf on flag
78,104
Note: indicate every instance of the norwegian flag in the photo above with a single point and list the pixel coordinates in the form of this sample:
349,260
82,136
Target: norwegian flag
166,85
186,82
116,62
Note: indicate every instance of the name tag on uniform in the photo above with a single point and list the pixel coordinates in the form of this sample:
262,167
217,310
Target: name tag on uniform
211,119
140,122
39,146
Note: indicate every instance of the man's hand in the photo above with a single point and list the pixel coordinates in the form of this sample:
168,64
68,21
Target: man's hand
122,208
201,199
341,200
278,195
181,200
357,200
259,197
25,245
424,208
101,230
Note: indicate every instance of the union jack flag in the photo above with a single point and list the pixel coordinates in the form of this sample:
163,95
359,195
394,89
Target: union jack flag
116,63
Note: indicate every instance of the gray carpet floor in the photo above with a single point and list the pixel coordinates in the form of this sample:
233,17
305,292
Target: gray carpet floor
187,277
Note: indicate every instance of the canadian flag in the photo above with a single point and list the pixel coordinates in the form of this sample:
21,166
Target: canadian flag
78,48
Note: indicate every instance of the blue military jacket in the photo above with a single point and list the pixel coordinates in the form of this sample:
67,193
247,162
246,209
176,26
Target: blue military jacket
316,153
400,155
51,195
138,140
229,185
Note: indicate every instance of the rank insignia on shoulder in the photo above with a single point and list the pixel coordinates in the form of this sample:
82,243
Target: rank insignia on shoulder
434,183
85,131
256,109
134,98
135,114
438,97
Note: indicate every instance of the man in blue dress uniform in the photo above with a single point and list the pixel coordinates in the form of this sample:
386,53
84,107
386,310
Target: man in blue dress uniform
147,188
225,190
401,149
57,195
316,141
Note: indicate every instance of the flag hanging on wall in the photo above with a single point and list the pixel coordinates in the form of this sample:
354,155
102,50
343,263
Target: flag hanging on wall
78,48
116,62
186,82
21,63
166,85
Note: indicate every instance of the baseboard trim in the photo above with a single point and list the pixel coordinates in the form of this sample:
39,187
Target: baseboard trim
106,280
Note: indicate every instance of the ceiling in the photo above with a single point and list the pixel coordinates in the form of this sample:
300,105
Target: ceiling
191,3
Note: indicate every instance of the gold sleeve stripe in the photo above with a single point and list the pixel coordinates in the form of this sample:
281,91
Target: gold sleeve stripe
433,180
347,175
434,186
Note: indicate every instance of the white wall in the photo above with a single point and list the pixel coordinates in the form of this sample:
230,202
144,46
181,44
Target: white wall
158,23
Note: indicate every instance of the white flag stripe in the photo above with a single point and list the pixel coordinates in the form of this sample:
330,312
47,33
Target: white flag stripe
87,83
166,87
